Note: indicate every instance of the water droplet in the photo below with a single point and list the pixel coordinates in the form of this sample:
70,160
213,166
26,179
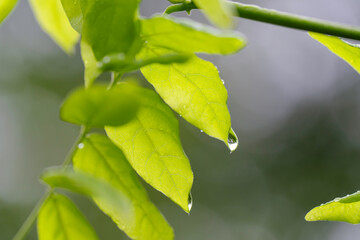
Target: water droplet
80,146
201,131
232,140
106,59
222,81
190,202
337,199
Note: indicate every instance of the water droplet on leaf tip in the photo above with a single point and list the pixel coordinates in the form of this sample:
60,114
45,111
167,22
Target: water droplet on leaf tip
190,202
232,140
81,146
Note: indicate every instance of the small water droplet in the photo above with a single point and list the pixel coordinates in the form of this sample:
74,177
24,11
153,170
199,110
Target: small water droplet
106,59
222,81
80,146
337,199
190,202
232,140
201,131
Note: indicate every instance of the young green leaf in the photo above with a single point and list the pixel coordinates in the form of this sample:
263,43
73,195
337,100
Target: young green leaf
100,158
346,209
118,62
6,6
110,26
112,201
59,218
348,52
74,13
183,35
91,69
97,106
194,90
217,11
52,18
151,143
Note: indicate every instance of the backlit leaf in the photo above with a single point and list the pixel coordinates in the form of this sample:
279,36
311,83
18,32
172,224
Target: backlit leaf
348,52
112,201
193,89
6,6
98,106
151,143
119,63
346,209
52,18
100,158
110,26
217,11
184,35
59,218
74,13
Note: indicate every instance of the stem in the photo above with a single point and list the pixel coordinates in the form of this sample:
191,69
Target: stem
283,19
115,78
30,220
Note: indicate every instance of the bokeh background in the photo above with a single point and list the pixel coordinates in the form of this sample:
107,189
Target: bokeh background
295,108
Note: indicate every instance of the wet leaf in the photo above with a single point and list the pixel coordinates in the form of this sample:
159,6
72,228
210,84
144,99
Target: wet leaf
59,218
346,209
194,89
100,158
151,143
350,53
74,13
184,35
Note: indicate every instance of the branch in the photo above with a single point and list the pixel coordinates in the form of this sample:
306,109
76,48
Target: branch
282,19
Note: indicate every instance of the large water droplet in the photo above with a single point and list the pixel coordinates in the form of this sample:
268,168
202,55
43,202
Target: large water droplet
232,140
190,202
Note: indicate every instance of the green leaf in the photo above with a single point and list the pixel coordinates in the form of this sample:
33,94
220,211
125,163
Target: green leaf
346,209
110,26
6,6
217,11
193,89
100,158
91,69
151,143
112,201
74,13
184,35
119,63
348,52
52,18
97,106
59,218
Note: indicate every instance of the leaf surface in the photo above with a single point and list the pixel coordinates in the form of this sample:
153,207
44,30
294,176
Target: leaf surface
151,143
194,89
184,35
97,106
112,201
350,53
102,159
217,11
59,218
6,6
110,26
74,13
52,18
346,209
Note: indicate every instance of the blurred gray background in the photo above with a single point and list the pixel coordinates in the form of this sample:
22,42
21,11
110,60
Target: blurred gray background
295,108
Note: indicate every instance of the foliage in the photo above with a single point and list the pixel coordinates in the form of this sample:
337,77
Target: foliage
142,130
